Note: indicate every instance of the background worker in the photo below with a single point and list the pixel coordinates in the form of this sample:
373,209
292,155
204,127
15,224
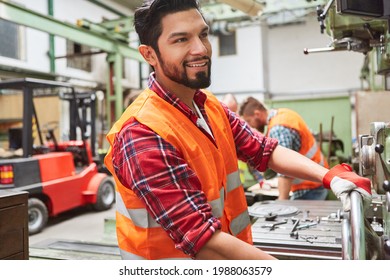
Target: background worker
291,131
231,102
174,151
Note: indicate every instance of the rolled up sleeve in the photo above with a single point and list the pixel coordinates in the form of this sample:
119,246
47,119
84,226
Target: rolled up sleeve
252,147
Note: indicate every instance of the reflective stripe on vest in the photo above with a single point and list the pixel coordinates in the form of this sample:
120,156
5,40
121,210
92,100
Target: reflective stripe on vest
233,181
239,223
141,218
217,205
312,151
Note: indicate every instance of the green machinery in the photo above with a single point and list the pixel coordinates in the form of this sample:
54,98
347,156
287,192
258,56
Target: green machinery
364,27
359,26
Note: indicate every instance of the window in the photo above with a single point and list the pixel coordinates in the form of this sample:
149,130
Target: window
10,34
227,44
79,56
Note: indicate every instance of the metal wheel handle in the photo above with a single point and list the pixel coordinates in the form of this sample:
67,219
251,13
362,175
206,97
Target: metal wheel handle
353,236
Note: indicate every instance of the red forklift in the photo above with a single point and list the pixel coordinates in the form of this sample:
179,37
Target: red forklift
58,175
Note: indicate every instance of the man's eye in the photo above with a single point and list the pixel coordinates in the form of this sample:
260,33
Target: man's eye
180,40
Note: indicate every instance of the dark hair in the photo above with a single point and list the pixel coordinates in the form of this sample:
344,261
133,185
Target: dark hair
249,106
147,18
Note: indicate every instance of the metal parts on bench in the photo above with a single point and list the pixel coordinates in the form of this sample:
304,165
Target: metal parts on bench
328,233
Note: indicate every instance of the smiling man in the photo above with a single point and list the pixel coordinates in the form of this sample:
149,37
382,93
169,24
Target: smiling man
174,151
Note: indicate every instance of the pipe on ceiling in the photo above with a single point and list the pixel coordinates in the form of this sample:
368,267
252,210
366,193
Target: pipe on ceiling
250,7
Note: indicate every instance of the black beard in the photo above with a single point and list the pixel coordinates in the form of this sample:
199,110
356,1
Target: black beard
202,79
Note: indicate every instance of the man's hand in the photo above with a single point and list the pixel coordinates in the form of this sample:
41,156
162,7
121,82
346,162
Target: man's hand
342,180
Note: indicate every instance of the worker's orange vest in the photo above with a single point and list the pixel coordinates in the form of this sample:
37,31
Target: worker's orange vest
139,236
309,147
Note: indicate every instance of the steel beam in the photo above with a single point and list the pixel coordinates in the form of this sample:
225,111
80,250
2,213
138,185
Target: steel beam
20,15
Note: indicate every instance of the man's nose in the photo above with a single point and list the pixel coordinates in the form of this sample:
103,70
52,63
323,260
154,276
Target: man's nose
198,47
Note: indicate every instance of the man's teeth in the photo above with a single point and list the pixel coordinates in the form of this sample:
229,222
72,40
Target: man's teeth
197,65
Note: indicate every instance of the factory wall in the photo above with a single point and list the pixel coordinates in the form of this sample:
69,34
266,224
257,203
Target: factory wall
271,59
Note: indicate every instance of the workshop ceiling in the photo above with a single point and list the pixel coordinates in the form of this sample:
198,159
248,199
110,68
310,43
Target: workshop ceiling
131,4
274,12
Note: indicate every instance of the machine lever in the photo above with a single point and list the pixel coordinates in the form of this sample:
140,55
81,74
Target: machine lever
321,14
386,187
320,50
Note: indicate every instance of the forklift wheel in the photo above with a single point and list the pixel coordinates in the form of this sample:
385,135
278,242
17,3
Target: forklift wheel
106,194
37,215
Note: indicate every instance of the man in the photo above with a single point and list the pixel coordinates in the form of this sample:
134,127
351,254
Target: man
291,131
231,102
173,151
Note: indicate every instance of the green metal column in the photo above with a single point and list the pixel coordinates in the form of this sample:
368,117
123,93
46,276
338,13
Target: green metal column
52,54
114,87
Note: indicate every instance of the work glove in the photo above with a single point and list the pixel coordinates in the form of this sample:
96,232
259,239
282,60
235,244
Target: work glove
342,180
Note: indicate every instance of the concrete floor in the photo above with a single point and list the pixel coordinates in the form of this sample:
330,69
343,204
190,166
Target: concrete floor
82,224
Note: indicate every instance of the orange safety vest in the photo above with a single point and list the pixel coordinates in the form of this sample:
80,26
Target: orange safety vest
139,236
309,147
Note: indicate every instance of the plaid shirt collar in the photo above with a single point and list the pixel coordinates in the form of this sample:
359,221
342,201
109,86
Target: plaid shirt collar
199,97
272,113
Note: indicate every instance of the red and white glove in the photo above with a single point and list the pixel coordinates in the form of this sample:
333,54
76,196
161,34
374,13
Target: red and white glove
342,180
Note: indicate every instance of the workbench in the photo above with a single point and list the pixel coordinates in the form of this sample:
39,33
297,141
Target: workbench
321,240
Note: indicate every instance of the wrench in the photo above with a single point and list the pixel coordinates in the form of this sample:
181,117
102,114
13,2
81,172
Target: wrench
306,225
272,226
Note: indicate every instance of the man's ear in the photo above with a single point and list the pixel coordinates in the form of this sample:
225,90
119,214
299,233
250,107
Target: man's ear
148,54
260,115
257,113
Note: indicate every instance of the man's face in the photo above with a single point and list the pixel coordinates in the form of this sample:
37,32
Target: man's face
185,51
257,120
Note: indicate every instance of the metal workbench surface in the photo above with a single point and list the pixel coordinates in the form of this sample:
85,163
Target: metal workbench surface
322,240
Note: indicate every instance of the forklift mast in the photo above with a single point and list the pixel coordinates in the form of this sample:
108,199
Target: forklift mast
79,104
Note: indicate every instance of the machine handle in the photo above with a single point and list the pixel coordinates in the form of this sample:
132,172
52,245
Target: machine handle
353,235
357,227
346,238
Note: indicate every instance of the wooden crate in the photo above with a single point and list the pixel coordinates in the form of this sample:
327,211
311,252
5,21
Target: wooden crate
13,225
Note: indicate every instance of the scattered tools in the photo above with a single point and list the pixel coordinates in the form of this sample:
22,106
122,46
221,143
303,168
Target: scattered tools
295,225
273,225
333,217
306,225
270,216
305,217
294,234
308,238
